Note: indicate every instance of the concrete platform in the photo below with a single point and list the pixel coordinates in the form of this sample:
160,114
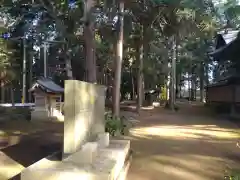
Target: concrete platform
107,163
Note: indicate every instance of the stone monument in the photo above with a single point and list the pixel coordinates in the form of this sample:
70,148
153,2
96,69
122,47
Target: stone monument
88,151
84,106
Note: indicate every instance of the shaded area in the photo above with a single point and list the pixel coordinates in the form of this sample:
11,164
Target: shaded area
31,146
14,131
33,149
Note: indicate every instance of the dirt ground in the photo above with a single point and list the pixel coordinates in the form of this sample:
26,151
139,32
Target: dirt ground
184,145
22,143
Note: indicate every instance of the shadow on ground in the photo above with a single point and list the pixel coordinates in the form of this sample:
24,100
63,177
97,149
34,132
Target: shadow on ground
27,146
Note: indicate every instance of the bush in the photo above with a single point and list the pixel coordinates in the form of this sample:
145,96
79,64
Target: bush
116,126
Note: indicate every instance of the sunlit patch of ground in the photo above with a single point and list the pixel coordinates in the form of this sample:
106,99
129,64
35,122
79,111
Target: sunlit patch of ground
190,166
181,132
8,167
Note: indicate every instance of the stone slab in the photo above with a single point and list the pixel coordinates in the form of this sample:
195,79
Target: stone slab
106,166
62,171
8,167
124,171
85,155
115,153
84,105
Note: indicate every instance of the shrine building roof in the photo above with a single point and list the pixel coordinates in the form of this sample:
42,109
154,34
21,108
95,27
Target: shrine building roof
227,46
47,85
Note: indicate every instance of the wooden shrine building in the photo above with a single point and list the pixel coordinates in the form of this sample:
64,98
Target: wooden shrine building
48,100
226,91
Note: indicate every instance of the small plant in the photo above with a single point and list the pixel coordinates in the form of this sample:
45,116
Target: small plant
115,125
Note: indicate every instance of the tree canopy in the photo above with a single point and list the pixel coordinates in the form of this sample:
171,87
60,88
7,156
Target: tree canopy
82,38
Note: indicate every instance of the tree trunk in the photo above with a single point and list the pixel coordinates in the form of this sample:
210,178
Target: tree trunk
169,75
2,87
69,67
178,85
201,89
195,88
68,62
2,92
29,76
133,85
180,91
206,74
202,83
145,57
189,86
12,96
89,44
192,87
178,75
118,65
142,55
173,74
140,76
90,60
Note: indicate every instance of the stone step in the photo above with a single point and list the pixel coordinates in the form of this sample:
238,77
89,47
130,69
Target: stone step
124,171
105,164
111,160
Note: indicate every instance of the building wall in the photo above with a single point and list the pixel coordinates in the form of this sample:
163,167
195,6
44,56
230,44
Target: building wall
237,94
220,94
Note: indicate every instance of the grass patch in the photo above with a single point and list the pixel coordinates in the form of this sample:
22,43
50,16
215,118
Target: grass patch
232,174
15,113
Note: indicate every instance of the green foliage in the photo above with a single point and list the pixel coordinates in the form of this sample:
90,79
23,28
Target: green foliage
116,126
7,62
231,9
193,21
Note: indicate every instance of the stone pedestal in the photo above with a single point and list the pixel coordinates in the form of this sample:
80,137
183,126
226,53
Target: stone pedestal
108,164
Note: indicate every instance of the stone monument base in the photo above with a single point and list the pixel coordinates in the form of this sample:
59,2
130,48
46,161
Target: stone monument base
92,162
